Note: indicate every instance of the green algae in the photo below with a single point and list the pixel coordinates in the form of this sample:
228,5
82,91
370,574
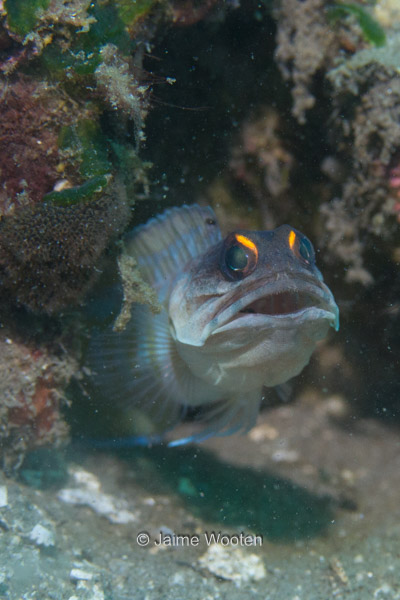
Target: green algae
130,166
22,15
80,53
90,190
62,64
86,142
83,54
110,21
108,28
71,53
370,28
130,12
97,156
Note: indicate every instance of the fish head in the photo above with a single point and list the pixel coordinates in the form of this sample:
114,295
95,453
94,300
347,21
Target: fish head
254,299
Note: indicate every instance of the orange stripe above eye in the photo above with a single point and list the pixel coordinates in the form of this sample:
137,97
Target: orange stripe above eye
245,241
291,239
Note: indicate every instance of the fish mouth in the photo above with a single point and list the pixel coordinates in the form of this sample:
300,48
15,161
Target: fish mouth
279,303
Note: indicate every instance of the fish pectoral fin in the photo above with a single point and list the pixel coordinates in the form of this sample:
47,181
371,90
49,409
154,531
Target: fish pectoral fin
226,417
140,367
135,368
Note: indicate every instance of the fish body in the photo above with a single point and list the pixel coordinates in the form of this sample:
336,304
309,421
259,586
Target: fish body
240,313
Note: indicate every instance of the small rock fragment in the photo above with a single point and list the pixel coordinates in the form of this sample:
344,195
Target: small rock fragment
79,574
233,564
89,494
3,496
42,536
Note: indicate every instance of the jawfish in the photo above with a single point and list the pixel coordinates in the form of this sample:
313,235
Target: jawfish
239,314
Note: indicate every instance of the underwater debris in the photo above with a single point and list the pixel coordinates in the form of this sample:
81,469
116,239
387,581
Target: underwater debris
32,383
136,290
56,263
121,89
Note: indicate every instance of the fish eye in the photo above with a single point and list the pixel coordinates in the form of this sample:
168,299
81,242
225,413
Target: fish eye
239,256
306,250
236,258
301,246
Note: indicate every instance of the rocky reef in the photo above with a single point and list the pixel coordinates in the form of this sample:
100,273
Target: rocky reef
271,112
73,99
31,386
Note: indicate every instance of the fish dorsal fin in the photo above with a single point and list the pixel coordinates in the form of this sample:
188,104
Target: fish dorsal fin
166,243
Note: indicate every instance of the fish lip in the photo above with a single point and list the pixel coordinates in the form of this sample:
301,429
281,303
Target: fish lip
259,321
321,304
